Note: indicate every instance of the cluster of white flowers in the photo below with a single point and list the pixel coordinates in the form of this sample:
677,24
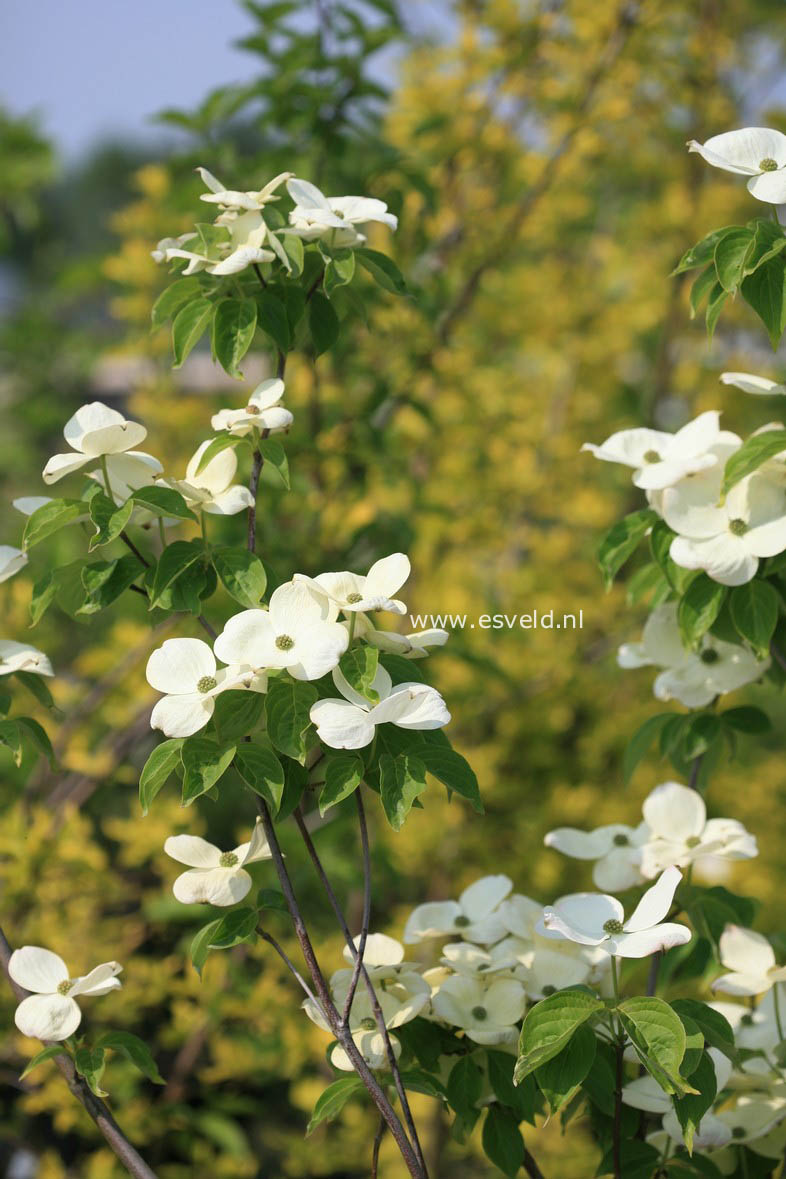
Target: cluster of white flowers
240,236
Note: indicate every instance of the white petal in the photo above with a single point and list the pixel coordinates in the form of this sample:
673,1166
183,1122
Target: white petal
585,845
742,151
725,558
37,969
745,951
182,716
386,577
412,706
434,919
769,187
673,811
48,1017
61,465
740,983
179,664
482,897
215,886
193,850
306,194
217,474
267,394
655,903
228,503
505,1001
100,981
248,637
647,941
342,725
618,871
257,848
630,446
11,561
759,386
380,950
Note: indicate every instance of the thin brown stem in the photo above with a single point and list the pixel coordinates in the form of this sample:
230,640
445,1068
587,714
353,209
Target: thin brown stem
259,275
268,937
361,949
375,1149
130,544
93,1106
531,1167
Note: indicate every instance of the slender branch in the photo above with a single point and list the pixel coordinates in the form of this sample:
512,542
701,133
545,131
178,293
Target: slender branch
353,984
94,1106
268,937
375,1150
253,487
652,977
695,770
372,994
259,275
129,542
531,1167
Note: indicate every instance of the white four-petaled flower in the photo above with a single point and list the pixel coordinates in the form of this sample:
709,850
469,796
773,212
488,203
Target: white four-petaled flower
51,1012
660,459
486,1009
262,412
211,489
333,218
756,152
681,833
94,431
751,961
215,877
615,848
374,591
186,670
474,916
350,723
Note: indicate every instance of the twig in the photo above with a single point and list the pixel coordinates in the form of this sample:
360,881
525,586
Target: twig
531,1167
125,537
253,487
375,1150
268,937
94,1106
361,949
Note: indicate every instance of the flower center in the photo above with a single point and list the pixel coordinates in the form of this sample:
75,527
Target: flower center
738,527
747,1020
768,164
693,841
354,598
612,926
549,990
479,1013
709,656
252,408
227,860
621,840
651,456
462,922
285,643
64,987
207,684
368,1024
738,1132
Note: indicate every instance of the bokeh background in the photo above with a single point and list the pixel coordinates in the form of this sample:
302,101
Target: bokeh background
534,151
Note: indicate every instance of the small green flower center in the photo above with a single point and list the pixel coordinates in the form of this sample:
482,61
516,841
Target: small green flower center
227,860
354,598
738,527
64,987
479,1013
368,1024
768,164
461,921
694,841
482,966
549,990
207,684
738,1132
285,643
612,926
620,840
747,1020
709,656
651,456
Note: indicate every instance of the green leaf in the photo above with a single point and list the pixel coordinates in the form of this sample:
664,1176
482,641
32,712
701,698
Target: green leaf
323,323
747,719
419,1081
216,446
359,665
340,270
295,783
48,1053
622,540
189,325
242,574
520,1098
38,738
133,1049
691,1108
502,1140
765,292
105,581
703,251
272,318
454,771
550,1024
294,248
658,1035
169,302
89,1063
715,1028
43,595
660,545
157,770
464,1087
163,501
234,927
701,287
717,298
560,1078
234,324
172,563
754,612
275,458
401,780
699,608
333,1099
108,519
641,741
383,270
200,945
343,775
204,762
237,712
36,686
287,706
732,253
11,737
262,772
754,451
638,1160
51,518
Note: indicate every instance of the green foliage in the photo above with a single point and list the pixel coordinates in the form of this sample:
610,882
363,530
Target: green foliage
550,1025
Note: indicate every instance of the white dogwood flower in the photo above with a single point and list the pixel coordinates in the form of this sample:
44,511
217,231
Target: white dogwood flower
186,671
411,646
262,412
215,877
595,919
546,965
660,459
467,958
211,489
16,656
11,561
297,632
749,383
751,961
229,198
51,1012
374,591
383,958
681,833
486,1009
474,916
756,152
333,218
727,537
615,848
755,1029
94,431
350,723
694,678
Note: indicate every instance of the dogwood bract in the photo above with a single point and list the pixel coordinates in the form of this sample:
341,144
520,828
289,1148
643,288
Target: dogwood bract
215,877
486,1009
354,592
51,1012
751,961
756,152
660,459
11,561
350,723
333,218
681,833
94,431
411,646
474,916
228,198
22,657
262,412
694,678
298,632
615,848
211,489
759,386
595,919
186,670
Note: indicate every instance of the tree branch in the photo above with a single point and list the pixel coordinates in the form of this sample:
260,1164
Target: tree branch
361,949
